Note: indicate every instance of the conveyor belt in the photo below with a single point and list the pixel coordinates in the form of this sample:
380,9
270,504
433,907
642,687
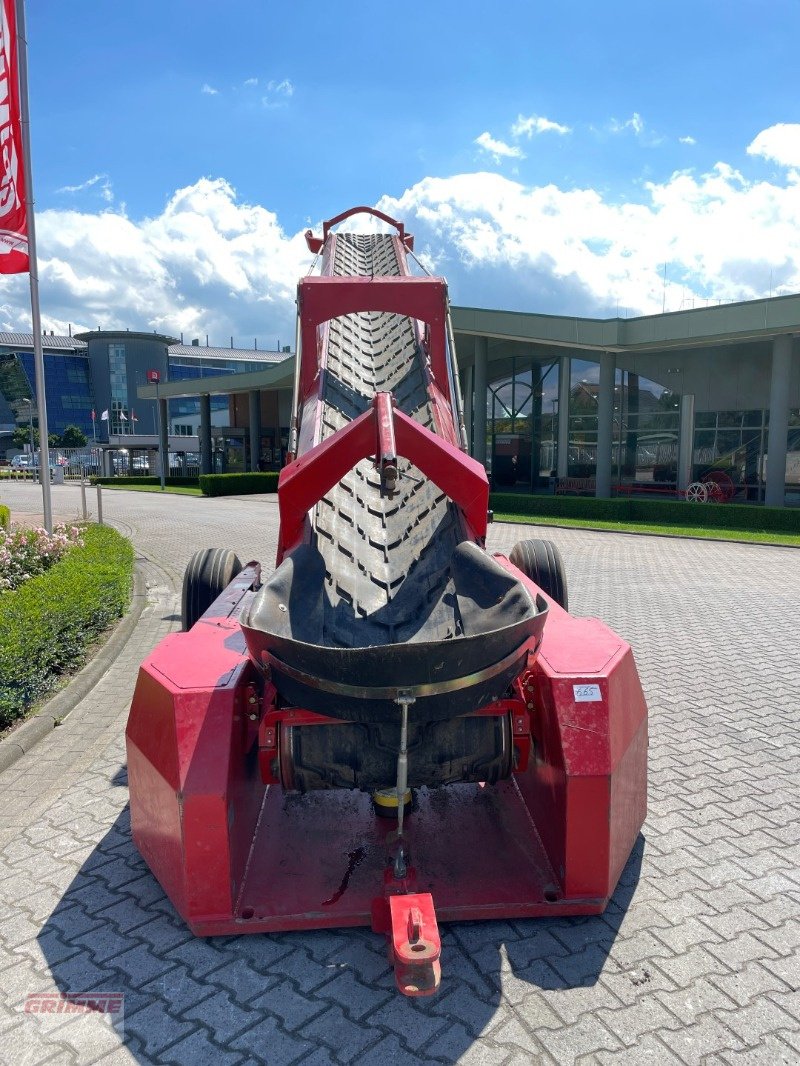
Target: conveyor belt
387,561
386,592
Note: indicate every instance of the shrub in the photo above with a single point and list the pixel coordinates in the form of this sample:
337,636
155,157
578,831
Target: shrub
25,552
5,517
144,479
48,623
238,484
656,512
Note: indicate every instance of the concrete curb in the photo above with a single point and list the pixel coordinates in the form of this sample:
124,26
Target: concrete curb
33,729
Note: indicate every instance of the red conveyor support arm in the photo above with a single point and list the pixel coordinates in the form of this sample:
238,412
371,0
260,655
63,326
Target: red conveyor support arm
305,481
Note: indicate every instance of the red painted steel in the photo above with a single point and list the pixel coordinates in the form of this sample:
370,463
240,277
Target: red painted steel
320,299
236,856
415,946
235,853
303,482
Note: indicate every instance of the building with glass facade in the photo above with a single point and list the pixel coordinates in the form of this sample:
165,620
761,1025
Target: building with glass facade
647,405
642,405
100,372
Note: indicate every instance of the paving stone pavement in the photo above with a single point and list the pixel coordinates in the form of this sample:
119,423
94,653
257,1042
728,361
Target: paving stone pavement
697,959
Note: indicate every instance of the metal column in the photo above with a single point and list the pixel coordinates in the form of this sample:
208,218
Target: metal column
479,399
686,441
467,380
255,428
605,425
775,495
564,373
205,434
163,439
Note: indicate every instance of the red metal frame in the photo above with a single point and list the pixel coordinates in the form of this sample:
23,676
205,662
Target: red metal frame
304,482
320,299
315,244
235,853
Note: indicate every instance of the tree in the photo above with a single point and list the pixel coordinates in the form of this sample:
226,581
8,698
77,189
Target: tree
73,437
22,437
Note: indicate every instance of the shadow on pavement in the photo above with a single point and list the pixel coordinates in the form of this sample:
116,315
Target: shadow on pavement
311,998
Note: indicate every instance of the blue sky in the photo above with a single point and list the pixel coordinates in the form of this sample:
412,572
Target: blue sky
550,158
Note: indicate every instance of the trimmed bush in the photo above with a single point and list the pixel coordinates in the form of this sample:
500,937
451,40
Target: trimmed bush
560,506
657,512
5,517
144,479
238,484
48,623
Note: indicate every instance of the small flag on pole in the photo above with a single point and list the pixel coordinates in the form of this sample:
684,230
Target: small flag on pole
93,415
123,417
104,416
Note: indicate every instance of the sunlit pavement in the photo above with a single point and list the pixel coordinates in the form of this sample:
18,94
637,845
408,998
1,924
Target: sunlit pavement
696,960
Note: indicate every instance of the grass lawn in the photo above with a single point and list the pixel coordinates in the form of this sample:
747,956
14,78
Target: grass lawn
180,490
707,533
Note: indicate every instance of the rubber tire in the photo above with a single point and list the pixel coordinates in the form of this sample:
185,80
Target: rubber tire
540,560
208,574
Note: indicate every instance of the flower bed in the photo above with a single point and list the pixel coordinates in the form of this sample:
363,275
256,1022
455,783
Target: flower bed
48,623
24,553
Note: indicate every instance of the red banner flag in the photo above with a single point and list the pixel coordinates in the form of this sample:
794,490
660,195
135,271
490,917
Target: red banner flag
13,216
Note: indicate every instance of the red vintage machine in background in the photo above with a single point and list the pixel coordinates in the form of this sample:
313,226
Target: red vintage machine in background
394,727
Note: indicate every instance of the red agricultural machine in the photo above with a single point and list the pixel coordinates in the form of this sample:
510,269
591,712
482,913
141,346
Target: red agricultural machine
394,727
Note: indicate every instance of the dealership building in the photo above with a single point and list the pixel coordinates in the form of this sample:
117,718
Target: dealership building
600,406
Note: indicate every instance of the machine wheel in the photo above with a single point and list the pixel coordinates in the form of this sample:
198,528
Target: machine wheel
540,560
721,488
208,574
697,492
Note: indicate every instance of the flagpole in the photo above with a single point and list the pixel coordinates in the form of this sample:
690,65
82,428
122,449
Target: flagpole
36,319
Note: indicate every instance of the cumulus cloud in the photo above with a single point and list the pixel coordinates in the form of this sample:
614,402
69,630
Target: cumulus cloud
498,149
211,263
209,90
250,82
573,251
687,140
208,263
527,126
779,143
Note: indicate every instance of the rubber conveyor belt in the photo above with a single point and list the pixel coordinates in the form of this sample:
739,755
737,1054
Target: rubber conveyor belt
388,592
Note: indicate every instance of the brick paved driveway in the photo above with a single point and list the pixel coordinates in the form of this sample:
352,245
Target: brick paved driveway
696,960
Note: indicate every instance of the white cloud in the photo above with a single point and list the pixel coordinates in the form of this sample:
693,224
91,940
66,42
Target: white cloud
251,81
780,143
210,263
533,124
496,149
278,93
634,123
573,251
105,189
209,90
687,140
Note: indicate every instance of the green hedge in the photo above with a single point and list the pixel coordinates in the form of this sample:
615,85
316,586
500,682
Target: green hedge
121,482
5,517
47,624
657,512
238,484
